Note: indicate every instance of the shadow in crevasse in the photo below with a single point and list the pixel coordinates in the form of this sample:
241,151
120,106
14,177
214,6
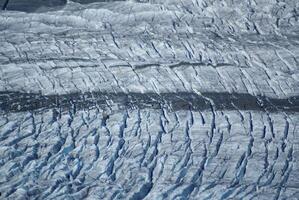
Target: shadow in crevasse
41,5
4,4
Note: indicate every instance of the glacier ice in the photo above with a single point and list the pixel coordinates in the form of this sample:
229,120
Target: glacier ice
155,99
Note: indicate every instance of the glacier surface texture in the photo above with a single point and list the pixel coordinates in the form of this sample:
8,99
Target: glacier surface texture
149,99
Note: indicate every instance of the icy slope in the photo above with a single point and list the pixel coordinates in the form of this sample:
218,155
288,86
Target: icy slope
165,99
163,46
153,154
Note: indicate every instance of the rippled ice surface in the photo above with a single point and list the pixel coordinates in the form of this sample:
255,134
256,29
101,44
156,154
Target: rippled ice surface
172,99
152,154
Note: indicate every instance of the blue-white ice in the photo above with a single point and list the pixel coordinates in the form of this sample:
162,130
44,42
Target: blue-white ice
157,99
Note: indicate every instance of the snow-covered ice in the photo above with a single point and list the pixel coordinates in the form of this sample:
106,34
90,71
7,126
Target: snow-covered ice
153,99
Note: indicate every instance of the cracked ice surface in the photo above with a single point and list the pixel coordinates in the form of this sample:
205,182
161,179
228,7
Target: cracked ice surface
164,99
154,154
163,46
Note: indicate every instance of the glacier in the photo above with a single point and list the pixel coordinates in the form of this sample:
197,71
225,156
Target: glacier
149,99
